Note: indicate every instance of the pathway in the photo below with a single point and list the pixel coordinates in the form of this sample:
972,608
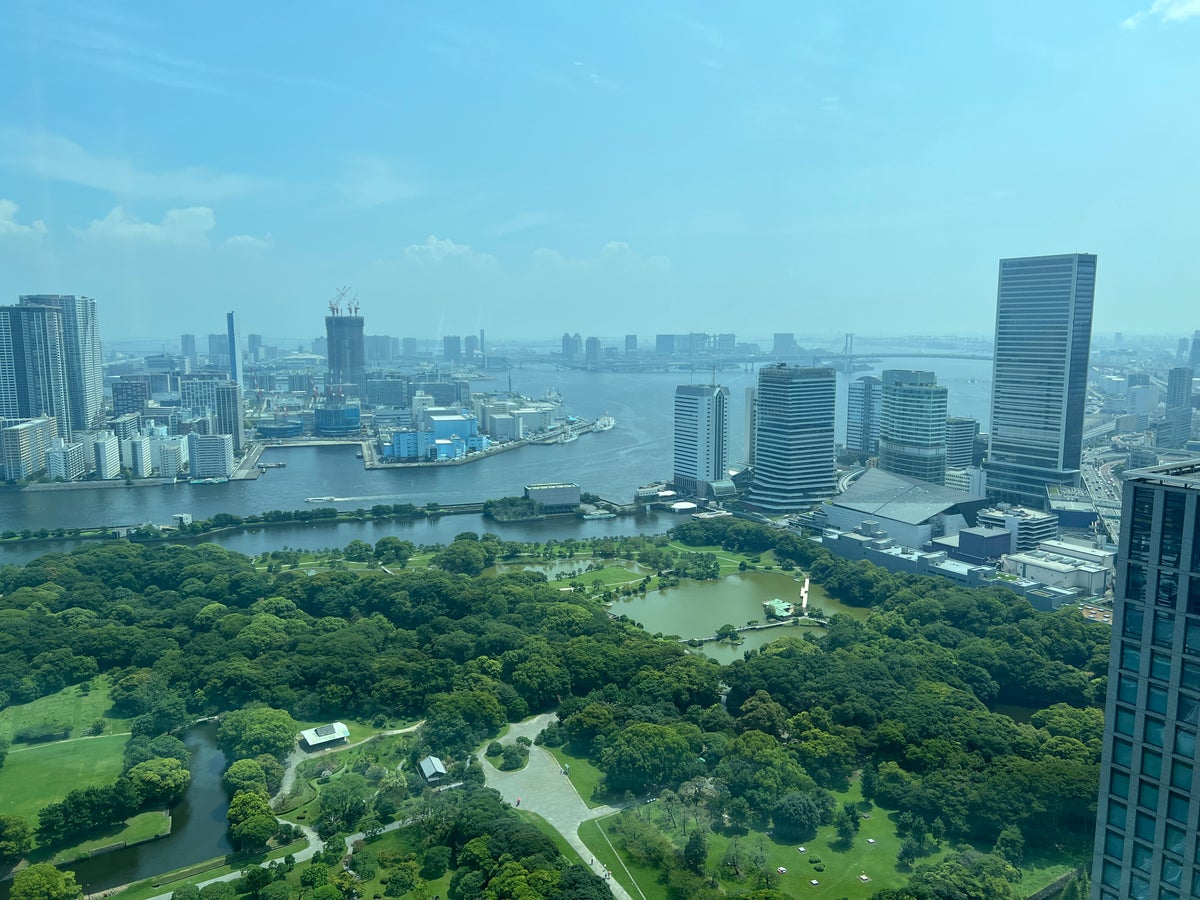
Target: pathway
543,789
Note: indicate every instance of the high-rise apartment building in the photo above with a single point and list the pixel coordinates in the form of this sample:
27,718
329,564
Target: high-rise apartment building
233,348
1147,840
230,412
33,373
793,437
1039,375
864,405
912,425
1179,388
783,345
130,394
960,442
1175,429
452,347
346,354
701,437
82,355
591,350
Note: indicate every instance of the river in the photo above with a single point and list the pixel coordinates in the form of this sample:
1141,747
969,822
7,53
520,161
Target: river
198,827
611,464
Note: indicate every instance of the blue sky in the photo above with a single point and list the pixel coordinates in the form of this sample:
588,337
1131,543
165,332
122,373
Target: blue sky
531,168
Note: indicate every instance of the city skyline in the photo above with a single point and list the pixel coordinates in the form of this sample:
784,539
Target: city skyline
632,162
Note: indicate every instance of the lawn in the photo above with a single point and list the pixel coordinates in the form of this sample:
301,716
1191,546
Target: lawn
72,706
214,868
583,774
842,866
730,561
142,827
37,774
609,576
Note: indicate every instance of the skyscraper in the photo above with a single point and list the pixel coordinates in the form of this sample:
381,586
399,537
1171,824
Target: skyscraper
230,412
33,372
346,353
1039,375
912,425
1175,430
82,356
793,437
701,437
187,348
864,405
1146,818
452,347
1194,356
1179,388
235,350
960,442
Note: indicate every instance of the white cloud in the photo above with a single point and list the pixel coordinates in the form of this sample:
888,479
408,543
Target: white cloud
249,240
10,227
436,251
522,222
56,158
614,255
189,226
1165,11
370,181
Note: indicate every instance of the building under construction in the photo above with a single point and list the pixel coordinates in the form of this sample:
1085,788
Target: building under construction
347,371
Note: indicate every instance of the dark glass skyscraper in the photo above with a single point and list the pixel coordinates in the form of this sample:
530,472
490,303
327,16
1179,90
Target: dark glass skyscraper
912,427
1146,818
33,373
1039,375
347,354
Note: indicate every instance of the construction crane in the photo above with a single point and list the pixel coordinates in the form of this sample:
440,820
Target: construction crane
335,305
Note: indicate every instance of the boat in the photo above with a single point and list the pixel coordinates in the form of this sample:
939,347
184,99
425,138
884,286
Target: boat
319,499
566,437
599,515
605,423
209,481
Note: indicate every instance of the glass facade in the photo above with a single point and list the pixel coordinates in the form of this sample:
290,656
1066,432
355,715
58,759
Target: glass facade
1146,832
1039,375
793,437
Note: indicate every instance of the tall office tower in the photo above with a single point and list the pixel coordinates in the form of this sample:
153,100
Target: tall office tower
218,350
726,342
1039,375
452,347
482,345
1181,351
701,437
783,345
254,344
346,353
1179,388
863,407
471,346
1194,356
793,437
187,348
1176,427
234,348
912,426
82,356
33,371
230,411
1146,831
591,351
630,344
960,442
751,416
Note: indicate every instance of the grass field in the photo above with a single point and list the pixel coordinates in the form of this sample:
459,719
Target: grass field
729,560
583,774
213,868
72,706
41,773
608,576
142,827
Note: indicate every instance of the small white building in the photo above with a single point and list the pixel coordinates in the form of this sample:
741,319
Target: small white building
431,768
325,736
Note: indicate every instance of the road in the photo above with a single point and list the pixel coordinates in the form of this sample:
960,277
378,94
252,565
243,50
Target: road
542,788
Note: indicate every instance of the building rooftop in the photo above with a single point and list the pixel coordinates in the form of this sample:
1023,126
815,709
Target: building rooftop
901,499
1184,474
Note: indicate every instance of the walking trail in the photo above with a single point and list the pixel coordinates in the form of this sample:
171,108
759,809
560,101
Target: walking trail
542,788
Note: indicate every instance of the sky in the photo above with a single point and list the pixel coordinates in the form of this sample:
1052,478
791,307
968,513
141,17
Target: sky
621,167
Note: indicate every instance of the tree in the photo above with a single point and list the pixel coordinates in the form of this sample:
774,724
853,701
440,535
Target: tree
797,816
695,852
1010,845
186,892
16,839
246,733
164,780
42,881
254,833
393,551
244,774
645,755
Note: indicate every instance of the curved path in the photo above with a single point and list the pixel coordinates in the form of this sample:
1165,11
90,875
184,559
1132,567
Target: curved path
543,789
